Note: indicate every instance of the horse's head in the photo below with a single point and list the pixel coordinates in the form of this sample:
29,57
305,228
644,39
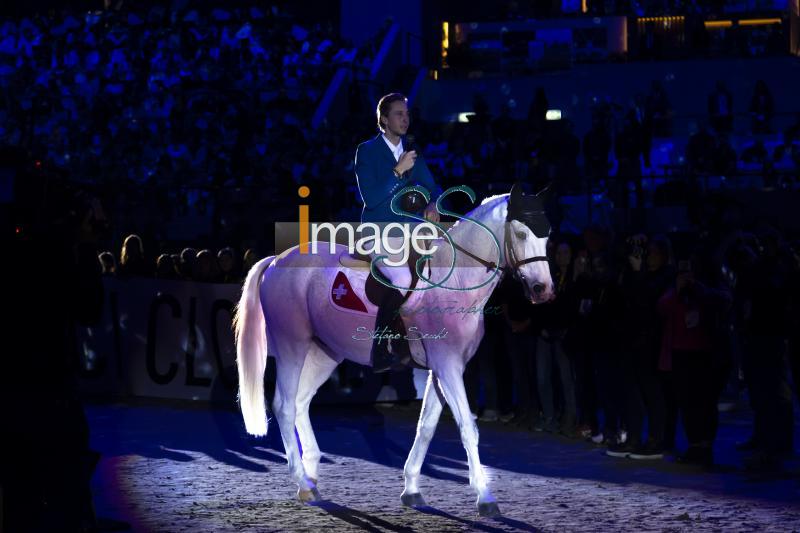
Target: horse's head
527,231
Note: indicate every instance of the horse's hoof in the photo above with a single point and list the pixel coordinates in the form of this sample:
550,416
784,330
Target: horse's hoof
488,509
309,495
413,500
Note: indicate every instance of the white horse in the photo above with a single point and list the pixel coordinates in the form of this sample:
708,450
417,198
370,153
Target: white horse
289,310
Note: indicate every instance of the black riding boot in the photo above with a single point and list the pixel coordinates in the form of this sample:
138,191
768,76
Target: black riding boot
389,322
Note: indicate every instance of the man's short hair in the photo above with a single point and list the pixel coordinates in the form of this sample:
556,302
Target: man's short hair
385,104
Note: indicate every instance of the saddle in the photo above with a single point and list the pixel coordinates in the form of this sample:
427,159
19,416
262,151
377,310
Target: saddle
376,292
354,261
373,288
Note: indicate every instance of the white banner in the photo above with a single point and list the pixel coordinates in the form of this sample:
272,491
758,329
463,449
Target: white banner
173,339
168,339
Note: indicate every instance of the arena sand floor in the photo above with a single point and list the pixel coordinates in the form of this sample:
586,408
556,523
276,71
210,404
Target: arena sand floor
182,467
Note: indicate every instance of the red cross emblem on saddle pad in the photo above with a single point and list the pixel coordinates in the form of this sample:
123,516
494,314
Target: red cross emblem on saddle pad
342,294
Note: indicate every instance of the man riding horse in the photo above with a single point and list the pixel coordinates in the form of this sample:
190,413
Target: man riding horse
383,167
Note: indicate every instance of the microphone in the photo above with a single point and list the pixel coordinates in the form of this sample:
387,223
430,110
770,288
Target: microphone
410,144
413,201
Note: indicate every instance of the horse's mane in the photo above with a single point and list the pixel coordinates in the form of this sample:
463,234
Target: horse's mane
487,204
492,198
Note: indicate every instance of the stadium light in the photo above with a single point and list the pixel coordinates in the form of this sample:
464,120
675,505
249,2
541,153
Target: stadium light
553,114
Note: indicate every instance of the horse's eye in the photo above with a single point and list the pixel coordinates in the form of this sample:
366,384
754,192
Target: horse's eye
522,235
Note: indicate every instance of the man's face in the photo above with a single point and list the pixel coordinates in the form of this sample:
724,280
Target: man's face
396,121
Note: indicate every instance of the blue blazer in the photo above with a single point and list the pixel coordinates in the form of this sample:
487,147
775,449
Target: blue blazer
377,183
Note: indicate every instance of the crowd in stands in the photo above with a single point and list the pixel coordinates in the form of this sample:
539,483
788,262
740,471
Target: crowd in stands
737,145
616,152
651,328
174,96
176,110
172,100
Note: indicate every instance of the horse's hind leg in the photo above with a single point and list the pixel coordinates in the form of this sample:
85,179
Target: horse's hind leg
428,419
289,365
316,370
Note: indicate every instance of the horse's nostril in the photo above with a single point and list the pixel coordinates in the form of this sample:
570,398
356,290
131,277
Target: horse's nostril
538,289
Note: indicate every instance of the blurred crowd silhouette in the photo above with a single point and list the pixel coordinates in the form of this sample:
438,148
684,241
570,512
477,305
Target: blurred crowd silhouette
649,330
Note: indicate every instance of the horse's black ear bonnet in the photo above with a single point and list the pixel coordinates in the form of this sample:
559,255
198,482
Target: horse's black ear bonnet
529,210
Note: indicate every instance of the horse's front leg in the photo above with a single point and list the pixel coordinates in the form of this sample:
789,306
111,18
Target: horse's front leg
428,419
452,382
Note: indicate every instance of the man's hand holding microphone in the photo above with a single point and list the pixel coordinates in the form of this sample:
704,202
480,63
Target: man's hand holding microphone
405,164
402,169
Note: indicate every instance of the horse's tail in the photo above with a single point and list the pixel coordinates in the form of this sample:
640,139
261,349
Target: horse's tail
251,350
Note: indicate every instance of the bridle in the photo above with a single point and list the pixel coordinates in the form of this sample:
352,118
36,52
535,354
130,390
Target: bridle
511,257
513,264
